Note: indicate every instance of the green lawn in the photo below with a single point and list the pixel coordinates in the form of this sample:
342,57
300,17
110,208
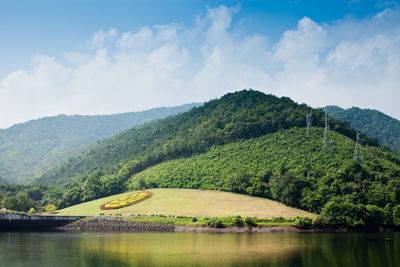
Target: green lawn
194,203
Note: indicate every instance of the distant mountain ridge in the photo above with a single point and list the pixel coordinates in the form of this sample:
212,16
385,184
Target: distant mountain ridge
29,149
371,122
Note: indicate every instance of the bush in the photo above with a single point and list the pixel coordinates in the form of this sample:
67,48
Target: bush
31,210
194,219
396,215
50,208
215,222
249,221
342,213
237,221
374,215
303,222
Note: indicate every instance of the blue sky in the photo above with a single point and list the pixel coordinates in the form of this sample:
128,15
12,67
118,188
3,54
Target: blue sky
198,50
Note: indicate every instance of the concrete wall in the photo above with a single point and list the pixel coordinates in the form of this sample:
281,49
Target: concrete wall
14,221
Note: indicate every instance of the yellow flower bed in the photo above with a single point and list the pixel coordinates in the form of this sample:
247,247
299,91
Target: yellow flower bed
126,200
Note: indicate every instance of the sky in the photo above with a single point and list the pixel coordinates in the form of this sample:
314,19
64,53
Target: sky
112,56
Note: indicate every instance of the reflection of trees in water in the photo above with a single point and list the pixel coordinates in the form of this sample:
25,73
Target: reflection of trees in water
97,259
188,249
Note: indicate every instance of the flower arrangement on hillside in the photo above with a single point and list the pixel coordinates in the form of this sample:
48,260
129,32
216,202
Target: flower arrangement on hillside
126,201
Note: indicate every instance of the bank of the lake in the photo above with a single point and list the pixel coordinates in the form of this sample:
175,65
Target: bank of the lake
154,224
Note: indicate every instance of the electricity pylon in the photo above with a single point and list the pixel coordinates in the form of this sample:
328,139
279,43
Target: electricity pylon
309,121
358,154
327,142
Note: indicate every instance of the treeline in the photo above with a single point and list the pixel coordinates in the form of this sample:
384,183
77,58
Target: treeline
28,197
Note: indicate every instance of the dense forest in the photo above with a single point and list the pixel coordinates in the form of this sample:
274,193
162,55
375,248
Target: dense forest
245,142
28,150
371,122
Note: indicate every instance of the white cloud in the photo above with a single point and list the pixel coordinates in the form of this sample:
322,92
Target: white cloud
345,63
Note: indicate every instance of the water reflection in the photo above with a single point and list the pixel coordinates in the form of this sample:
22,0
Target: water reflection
195,249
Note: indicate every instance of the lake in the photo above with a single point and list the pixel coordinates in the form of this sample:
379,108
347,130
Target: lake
199,249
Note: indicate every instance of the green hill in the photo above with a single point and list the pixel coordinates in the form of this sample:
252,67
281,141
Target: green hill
27,150
288,166
236,116
371,122
193,203
249,143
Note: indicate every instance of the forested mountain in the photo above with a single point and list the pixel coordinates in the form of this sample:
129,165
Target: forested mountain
240,115
27,150
245,142
371,122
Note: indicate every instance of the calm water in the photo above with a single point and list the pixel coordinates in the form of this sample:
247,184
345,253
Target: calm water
195,249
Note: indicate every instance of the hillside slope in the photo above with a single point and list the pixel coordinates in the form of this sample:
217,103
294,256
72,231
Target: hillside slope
29,149
288,166
371,122
235,116
194,203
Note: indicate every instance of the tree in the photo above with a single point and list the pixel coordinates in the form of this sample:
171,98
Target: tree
286,188
50,208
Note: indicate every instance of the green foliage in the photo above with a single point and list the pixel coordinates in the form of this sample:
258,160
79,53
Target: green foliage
50,208
249,221
344,213
236,116
31,211
19,202
245,142
237,221
28,150
371,122
287,188
303,222
396,215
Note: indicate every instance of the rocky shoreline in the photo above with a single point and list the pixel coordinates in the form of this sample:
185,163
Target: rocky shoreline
112,224
106,224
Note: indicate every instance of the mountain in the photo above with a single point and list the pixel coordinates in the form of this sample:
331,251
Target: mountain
27,150
245,142
235,116
371,122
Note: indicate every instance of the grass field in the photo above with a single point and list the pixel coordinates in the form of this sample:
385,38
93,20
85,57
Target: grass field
194,203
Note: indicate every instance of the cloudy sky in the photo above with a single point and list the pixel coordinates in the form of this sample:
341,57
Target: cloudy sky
103,56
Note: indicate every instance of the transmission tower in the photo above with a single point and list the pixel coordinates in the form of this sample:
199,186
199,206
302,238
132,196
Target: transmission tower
309,121
358,154
327,143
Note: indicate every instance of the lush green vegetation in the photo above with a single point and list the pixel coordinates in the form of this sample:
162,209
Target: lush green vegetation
371,122
290,167
106,167
249,143
222,222
25,197
27,150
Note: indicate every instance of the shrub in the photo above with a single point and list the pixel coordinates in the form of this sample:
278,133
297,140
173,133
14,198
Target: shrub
216,223
374,215
31,210
50,208
249,221
303,222
396,215
237,221
194,219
